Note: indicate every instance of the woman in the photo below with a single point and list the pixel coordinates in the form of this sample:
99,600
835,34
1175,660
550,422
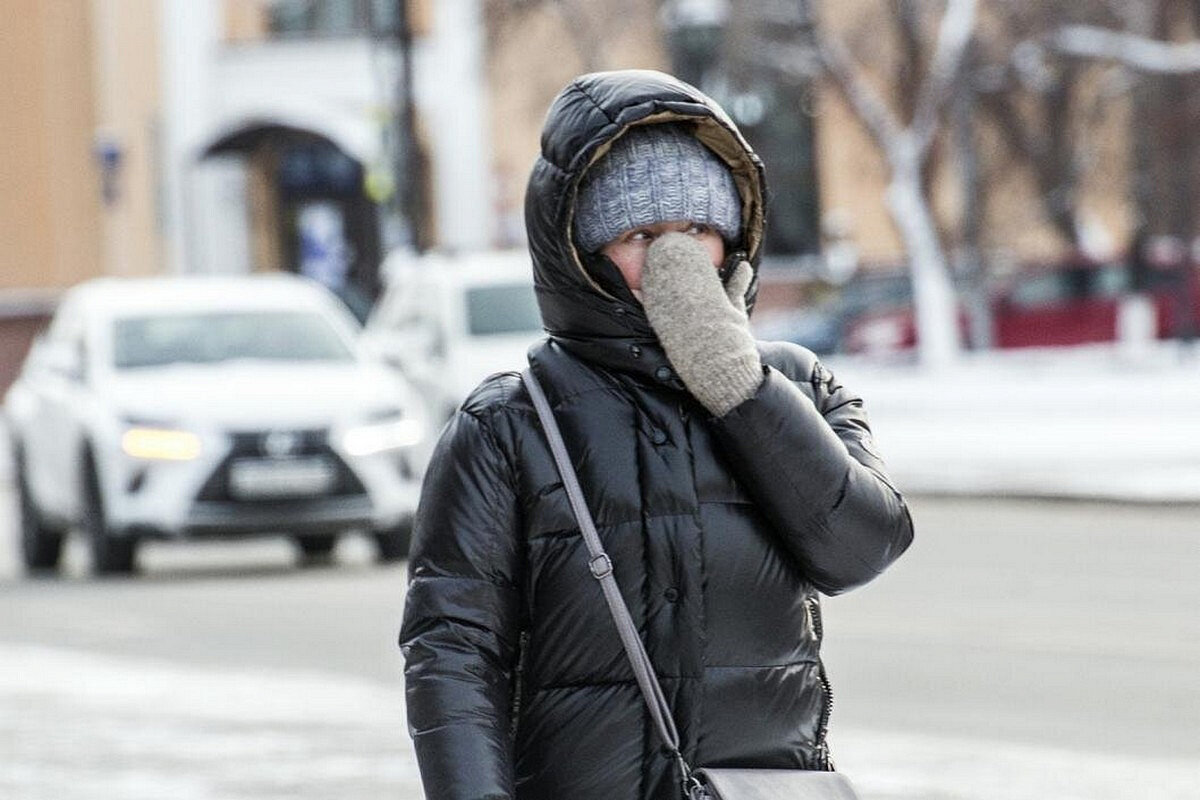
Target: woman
731,481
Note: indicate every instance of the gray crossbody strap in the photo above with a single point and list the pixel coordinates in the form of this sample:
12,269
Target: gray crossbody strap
601,568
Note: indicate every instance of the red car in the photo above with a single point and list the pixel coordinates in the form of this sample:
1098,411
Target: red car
1067,304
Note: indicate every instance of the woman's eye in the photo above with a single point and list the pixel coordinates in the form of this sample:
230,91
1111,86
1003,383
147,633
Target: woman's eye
640,236
697,229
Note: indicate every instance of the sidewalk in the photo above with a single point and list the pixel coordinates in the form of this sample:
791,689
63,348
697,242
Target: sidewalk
141,729
1091,422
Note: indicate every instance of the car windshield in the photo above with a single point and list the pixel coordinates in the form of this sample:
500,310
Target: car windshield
207,338
1067,285
503,308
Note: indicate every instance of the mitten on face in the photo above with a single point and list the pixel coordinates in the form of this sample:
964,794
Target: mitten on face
702,328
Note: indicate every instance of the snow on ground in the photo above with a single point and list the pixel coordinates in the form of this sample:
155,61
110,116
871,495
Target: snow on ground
905,767
80,726
1096,422
1089,422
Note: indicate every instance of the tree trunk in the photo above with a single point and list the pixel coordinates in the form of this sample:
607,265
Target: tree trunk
971,264
933,296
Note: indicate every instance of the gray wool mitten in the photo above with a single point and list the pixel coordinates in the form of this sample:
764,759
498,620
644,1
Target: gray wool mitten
704,330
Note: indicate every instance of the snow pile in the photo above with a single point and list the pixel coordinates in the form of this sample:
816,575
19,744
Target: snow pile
1081,422
913,767
81,726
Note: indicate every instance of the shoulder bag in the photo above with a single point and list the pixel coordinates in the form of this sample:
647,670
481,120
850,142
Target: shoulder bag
700,784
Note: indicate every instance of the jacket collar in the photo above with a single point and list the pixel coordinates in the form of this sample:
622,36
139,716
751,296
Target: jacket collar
642,359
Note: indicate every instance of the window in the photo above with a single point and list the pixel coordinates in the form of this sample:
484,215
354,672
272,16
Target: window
258,20
1070,284
155,341
504,308
1040,290
321,18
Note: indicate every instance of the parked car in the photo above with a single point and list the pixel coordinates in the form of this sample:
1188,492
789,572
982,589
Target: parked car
815,328
1070,303
177,408
449,321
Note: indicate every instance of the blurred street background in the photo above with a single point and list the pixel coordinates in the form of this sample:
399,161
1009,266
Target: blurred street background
256,251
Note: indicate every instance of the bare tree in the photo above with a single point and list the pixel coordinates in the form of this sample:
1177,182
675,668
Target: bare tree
1035,103
906,149
1137,52
1166,97
971,263
1166,100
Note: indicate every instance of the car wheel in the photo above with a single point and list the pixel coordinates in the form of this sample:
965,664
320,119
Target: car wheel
315,550
111,554
41,546
394,542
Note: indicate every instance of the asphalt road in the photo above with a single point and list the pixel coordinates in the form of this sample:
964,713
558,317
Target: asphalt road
1019,650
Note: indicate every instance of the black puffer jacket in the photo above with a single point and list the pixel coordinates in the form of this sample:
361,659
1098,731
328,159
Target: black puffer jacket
722,531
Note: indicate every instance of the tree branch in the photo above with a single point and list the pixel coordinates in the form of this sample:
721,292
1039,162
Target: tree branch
1135,52
866,102
954,34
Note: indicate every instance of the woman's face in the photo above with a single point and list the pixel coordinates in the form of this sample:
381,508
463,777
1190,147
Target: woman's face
628,251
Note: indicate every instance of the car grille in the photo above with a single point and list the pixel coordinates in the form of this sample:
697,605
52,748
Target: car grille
301,443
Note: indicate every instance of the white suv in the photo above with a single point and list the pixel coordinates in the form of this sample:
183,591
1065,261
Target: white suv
449,321
209,406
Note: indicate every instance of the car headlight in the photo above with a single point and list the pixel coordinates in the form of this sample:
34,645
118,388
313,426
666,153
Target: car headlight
160,444
379,437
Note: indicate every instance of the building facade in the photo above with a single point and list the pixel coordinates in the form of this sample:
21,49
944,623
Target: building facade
78,152
288,124
151,136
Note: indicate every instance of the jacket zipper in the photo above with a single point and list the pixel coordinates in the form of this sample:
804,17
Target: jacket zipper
826,760
518,683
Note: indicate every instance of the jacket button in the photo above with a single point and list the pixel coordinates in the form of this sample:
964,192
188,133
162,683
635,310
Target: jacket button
635,350
658,436
671,594
664,373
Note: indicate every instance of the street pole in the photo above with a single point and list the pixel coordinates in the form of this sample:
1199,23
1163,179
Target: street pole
409,180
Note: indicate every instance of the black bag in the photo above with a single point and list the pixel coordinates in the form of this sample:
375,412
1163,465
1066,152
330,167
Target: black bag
769,784
703,784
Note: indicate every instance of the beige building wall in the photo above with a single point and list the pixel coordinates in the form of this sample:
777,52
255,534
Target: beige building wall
72,72
128,113
853,174
531,55
49,209
246,20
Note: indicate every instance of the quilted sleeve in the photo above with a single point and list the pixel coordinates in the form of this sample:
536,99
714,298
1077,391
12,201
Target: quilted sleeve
807,457
460,630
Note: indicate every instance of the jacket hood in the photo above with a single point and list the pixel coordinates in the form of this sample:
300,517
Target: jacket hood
590,310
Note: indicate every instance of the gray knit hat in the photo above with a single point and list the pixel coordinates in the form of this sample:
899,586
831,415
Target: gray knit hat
655,173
